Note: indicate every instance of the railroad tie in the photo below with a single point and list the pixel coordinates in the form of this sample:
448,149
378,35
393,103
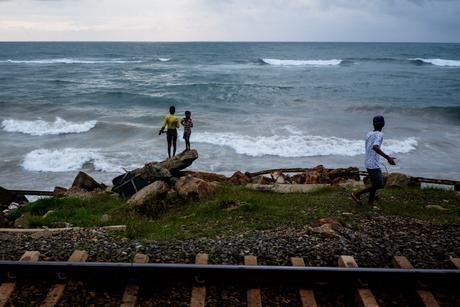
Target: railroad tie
198,298
7,288
56,291
426,297
132,289
455,262
364,296
253,294
307,296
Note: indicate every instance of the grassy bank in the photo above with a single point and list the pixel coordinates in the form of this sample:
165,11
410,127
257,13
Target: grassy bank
237,211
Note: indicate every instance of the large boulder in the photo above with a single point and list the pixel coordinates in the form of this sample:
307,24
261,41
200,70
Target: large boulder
192,188
299,178
278,177
154,171
340,175
85,182
239,178
316,175
397,180
164,169
149,194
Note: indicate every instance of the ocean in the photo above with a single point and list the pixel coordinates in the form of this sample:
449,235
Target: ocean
98,107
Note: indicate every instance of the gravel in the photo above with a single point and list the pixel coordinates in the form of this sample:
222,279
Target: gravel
373,242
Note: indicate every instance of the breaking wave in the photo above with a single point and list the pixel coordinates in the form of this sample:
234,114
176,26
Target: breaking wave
70,61
278,62
164,59
298,145
67,159
40,127
438,62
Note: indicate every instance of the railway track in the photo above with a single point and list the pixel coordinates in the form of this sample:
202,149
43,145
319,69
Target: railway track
200,284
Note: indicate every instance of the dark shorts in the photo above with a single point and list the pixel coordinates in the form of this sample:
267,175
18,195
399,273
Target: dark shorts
187,133
376,177
171,135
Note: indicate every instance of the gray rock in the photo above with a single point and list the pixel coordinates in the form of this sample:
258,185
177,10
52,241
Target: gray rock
149,194
85,182
194,188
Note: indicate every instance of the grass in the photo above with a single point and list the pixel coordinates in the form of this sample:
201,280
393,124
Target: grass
238,211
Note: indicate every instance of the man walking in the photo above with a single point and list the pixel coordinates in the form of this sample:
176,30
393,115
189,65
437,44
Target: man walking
374,141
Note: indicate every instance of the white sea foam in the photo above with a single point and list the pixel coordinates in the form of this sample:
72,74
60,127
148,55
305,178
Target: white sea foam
297,145
40,127
278,62
68,61
67,159
164,59
440,62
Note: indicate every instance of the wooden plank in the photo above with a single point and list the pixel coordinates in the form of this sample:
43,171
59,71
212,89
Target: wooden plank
132,289
7,288
364,296
56,291
427,298
455,262
198,298
307,296
253,296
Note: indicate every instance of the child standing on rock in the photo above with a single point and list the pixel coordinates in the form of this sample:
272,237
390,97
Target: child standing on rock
374,140
188,124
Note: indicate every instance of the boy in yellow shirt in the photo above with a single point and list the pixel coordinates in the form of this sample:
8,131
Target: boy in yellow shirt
172,123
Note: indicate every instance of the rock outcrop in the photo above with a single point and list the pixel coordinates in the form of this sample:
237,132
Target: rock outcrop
239,178
85,182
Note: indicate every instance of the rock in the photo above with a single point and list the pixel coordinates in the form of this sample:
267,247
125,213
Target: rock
149,194
13,206
342,174
437,207
22,221
105,218
59,191
278,177
239,178
299,178
85,182
153,171
397,180
261,180
326,229
209,177
194,188
47,214
45,234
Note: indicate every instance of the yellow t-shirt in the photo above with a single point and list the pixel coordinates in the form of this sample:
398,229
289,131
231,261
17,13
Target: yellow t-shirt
171,122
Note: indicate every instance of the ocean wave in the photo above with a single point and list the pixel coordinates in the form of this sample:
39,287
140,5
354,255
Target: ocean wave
67,159
164,59
298,145
278,62
437,62
451,112
69,61
40,127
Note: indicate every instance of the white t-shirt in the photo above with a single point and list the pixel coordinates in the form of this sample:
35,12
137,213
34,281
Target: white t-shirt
372,158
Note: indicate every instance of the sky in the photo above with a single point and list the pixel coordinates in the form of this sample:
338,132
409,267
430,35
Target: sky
230,20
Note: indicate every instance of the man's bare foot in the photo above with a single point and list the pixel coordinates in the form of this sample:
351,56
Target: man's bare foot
356,199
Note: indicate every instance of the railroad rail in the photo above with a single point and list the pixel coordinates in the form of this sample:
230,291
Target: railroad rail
355,282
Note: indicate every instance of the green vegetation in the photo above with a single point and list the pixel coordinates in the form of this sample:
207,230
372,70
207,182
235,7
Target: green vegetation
236,211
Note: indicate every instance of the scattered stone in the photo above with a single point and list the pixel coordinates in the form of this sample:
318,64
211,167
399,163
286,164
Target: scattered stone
45,234
149,194
239,178
59,191
13,206
343,174
194,188
437,207
326,229
85,182
316,175
299,178
397,180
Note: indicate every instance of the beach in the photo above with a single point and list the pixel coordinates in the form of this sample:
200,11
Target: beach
97,107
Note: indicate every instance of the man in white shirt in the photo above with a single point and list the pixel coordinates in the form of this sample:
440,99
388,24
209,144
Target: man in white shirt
374,140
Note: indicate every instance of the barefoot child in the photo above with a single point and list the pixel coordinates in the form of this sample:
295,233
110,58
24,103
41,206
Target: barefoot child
172,123
188,124
373,142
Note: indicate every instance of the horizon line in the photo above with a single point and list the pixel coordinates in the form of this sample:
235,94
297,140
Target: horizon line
223,41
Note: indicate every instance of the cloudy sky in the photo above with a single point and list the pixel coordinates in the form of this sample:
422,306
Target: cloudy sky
230,20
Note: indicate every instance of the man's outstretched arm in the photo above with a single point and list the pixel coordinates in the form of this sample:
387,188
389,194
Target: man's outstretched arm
378,150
